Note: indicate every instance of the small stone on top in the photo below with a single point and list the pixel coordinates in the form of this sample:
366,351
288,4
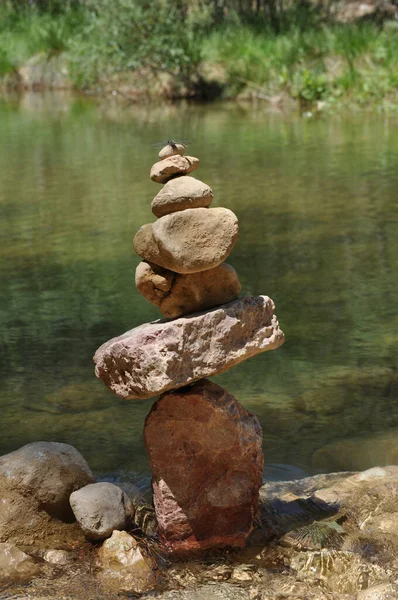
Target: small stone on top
171,149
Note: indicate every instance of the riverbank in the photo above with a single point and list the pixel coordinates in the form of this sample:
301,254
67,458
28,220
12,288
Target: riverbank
311,62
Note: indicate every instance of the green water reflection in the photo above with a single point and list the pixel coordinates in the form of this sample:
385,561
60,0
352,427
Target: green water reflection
318,211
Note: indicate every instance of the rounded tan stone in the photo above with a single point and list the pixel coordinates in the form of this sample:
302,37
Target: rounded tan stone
188,241
177,295
167,168
181,193
172,150
145,245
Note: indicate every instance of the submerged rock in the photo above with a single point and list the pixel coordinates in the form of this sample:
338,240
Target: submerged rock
167,168
100,508
356,453
178,295
188,241
160,356
383,591
207,467
58,557
125,567
220,591
181,193
46,472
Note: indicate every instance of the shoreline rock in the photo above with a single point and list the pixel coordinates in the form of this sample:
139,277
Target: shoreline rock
124,566
47,472
357,563
100,508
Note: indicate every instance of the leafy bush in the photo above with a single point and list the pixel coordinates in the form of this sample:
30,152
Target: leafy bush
309,85
126,34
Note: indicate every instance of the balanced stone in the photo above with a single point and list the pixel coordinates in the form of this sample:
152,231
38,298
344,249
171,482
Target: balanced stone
100,508
172,150
181,193
165,169
178,295
164,355
207,495
188,241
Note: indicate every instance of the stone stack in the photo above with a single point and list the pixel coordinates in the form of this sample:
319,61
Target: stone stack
183,269
203,446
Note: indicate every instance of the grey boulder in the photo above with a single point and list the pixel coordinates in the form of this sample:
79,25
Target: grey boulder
100,508
47,472
156,357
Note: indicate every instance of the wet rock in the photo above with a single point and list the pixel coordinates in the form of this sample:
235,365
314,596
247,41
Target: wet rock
100,508
14,564
172,150
58,557
188,241
167,168
221,591
384,591
48,472
178,295
376,487
125,567
207,495
181,193
160,356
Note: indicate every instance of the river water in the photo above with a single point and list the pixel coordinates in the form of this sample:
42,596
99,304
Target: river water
317,201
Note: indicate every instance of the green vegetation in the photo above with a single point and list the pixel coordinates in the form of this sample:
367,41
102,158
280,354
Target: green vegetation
200,49
358,62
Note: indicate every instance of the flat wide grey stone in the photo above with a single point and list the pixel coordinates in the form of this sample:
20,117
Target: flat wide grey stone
164,355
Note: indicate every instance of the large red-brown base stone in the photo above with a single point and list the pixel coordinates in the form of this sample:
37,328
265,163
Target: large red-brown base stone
205,452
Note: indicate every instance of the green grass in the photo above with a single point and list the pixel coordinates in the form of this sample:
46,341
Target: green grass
353,62
26,32
331,63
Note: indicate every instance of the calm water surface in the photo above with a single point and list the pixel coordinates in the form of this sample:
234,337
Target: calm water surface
317,201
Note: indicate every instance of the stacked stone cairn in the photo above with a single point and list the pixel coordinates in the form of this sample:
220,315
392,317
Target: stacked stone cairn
204,448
